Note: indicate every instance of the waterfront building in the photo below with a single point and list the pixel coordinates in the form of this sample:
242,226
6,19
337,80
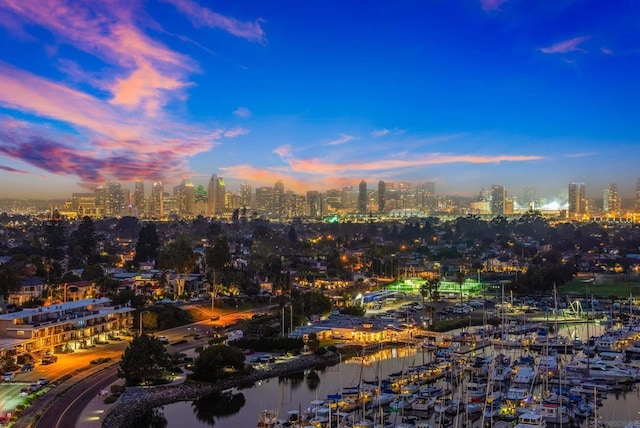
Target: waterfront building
74,324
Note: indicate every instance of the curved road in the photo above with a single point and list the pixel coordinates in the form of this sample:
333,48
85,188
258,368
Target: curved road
65,411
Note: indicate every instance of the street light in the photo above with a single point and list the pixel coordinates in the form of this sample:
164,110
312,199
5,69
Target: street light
142,313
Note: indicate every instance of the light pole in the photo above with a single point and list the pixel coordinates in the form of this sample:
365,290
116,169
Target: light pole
141,314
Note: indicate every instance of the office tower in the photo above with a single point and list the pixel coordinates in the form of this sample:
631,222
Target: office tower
215,195
186,198
278,199
315,206
530,197
498,199
157,200
362,198
333,200
264,199
138,197
381,196
425,196
349,198
611,200
245,195
232,201
293,205
577,200
637,201
113,199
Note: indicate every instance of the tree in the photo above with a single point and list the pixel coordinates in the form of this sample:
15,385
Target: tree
145,358
148,244
217,258
55,236
460,279
86,239
178,256
210,365
92,272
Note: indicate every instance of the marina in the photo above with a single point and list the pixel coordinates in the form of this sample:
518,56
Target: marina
420,385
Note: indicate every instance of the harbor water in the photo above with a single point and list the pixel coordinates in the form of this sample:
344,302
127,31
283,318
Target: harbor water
241,407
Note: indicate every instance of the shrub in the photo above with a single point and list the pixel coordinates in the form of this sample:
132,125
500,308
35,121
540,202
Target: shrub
117,389
321,351
110,399
332,348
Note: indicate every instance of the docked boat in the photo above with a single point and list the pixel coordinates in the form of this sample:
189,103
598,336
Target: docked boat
531,420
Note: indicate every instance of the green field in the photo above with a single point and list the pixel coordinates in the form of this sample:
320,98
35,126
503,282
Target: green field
603,287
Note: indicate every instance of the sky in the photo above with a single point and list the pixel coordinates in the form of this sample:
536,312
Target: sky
320,95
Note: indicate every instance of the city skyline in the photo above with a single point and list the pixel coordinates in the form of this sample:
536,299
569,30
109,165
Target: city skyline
465,94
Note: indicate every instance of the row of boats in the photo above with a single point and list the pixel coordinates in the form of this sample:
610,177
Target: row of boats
540,387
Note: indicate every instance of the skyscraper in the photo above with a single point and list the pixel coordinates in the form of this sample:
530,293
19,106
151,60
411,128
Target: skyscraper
577,200
611,200
245,195
498,199
315,204
186,196
637,201
215,195
278,199
362,197
138,197
381,196
157,203
264,199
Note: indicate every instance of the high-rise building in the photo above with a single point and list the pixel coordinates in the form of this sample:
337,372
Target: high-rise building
215,195
611,200
498,199
157,200
186,197
349,199
637,201
425,196
332,201
577,200
381,196
278,199
362,197
264,199
315,206
245,195
530,197
114,200
138,197
293,205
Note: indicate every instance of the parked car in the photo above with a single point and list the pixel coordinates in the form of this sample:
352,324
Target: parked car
9,376
27,367
164,340
43,381
49,359
24,392
215,318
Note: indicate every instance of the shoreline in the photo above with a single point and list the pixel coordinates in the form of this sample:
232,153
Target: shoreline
138,400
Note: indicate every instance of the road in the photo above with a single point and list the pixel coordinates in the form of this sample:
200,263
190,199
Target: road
66,409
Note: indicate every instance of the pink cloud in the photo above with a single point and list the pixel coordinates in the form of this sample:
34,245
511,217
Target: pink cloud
565,46
201,16
489,5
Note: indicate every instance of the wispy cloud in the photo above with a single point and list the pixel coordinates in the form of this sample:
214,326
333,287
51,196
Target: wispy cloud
242,112
344,138
571,45
235,132
10,169
606,51
201,16
379,132
489,5
581,155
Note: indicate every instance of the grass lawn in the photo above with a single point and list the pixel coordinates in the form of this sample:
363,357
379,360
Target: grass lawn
602,287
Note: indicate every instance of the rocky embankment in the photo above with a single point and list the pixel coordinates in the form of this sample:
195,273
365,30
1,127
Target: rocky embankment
135,402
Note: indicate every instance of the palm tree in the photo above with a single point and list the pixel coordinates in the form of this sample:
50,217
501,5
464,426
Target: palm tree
430,289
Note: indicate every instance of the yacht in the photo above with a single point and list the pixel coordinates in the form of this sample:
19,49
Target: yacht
531,420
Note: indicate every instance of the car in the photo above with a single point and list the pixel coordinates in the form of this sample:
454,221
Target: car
9,376
34,387
49,359
24,392
215,318
43,381
163,339
27,367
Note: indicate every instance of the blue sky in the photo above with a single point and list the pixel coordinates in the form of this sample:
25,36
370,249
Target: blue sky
465,93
